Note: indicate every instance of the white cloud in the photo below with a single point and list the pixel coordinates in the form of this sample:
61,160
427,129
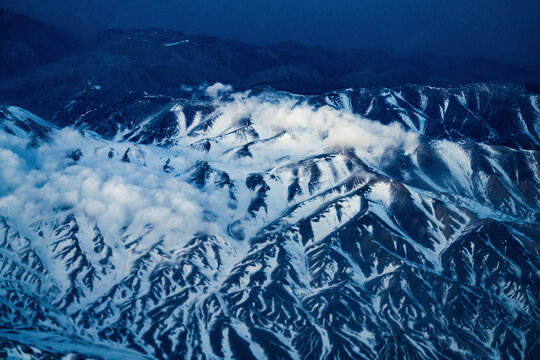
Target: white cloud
311,129
12,170
115,193
112,192
218,89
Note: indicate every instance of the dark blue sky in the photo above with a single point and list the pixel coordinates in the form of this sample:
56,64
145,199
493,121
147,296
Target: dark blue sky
508,31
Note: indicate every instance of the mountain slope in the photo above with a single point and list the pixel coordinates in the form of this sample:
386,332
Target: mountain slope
379,224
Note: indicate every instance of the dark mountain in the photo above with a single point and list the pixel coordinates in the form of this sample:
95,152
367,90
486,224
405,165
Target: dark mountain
27,44
161,61
492,29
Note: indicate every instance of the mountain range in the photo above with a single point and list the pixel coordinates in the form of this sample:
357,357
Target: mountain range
169,196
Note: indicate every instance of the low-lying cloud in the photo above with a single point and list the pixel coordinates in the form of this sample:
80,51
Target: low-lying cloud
113,192
137,193
313,128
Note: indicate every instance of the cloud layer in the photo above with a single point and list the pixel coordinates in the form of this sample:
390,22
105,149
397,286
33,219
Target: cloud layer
139,193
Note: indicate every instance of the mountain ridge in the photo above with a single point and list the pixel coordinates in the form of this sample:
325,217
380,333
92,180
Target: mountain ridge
161,61
322,229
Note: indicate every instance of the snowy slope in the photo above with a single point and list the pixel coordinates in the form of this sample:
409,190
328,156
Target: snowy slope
397,223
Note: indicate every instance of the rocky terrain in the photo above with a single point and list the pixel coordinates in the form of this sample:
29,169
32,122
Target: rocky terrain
193,221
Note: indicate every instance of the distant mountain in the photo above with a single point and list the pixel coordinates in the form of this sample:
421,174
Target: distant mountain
26,43
496,29
161,61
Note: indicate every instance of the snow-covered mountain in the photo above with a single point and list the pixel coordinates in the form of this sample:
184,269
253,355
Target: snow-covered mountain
380,224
